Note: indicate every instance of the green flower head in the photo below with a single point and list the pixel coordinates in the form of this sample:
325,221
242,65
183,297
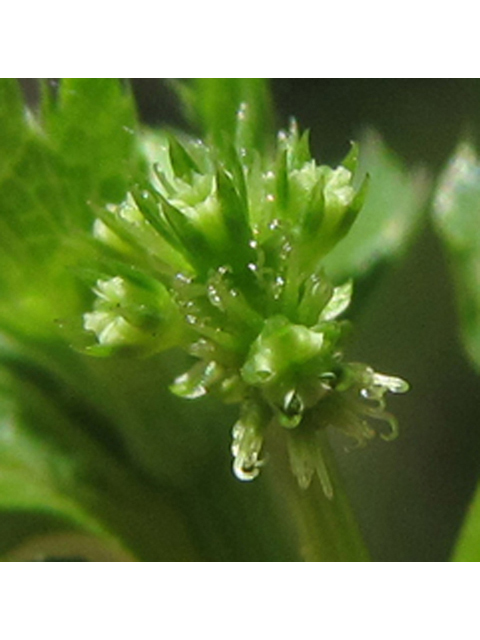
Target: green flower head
221,253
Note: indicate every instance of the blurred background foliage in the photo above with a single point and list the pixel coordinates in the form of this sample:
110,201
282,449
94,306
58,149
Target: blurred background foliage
410,496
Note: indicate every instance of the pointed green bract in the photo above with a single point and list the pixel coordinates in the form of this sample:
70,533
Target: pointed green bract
92,125
393,210
338,303
182,164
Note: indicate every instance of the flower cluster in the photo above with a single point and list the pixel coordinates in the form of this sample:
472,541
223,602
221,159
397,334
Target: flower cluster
221,254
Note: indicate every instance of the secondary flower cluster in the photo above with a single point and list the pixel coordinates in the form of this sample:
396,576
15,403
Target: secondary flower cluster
220,253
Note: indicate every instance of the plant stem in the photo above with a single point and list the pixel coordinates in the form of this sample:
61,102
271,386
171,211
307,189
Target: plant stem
325,530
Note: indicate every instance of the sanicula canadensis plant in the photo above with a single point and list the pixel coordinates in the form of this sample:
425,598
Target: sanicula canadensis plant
125,244
221,254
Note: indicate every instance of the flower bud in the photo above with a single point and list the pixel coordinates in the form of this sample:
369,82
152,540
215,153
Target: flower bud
132,317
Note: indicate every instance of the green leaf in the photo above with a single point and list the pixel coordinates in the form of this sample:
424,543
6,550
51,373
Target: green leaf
390,218
36,494
81,149
62,456
457,218
467,548
92,125
12,121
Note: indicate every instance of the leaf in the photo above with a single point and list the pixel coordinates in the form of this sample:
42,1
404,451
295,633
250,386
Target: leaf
34,485
391,216
62,458
12,120
467,548
457,219
92,125
30,192
81,149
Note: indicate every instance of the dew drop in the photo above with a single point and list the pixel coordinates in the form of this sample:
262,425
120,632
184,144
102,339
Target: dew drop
181,277
277,287
285,251
246,447
275,224
242,111
214,297
224,270
245,472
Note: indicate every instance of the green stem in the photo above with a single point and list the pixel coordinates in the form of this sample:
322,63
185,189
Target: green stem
325,529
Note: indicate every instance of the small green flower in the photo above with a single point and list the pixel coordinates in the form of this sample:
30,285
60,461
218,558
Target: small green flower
221,253
133,317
